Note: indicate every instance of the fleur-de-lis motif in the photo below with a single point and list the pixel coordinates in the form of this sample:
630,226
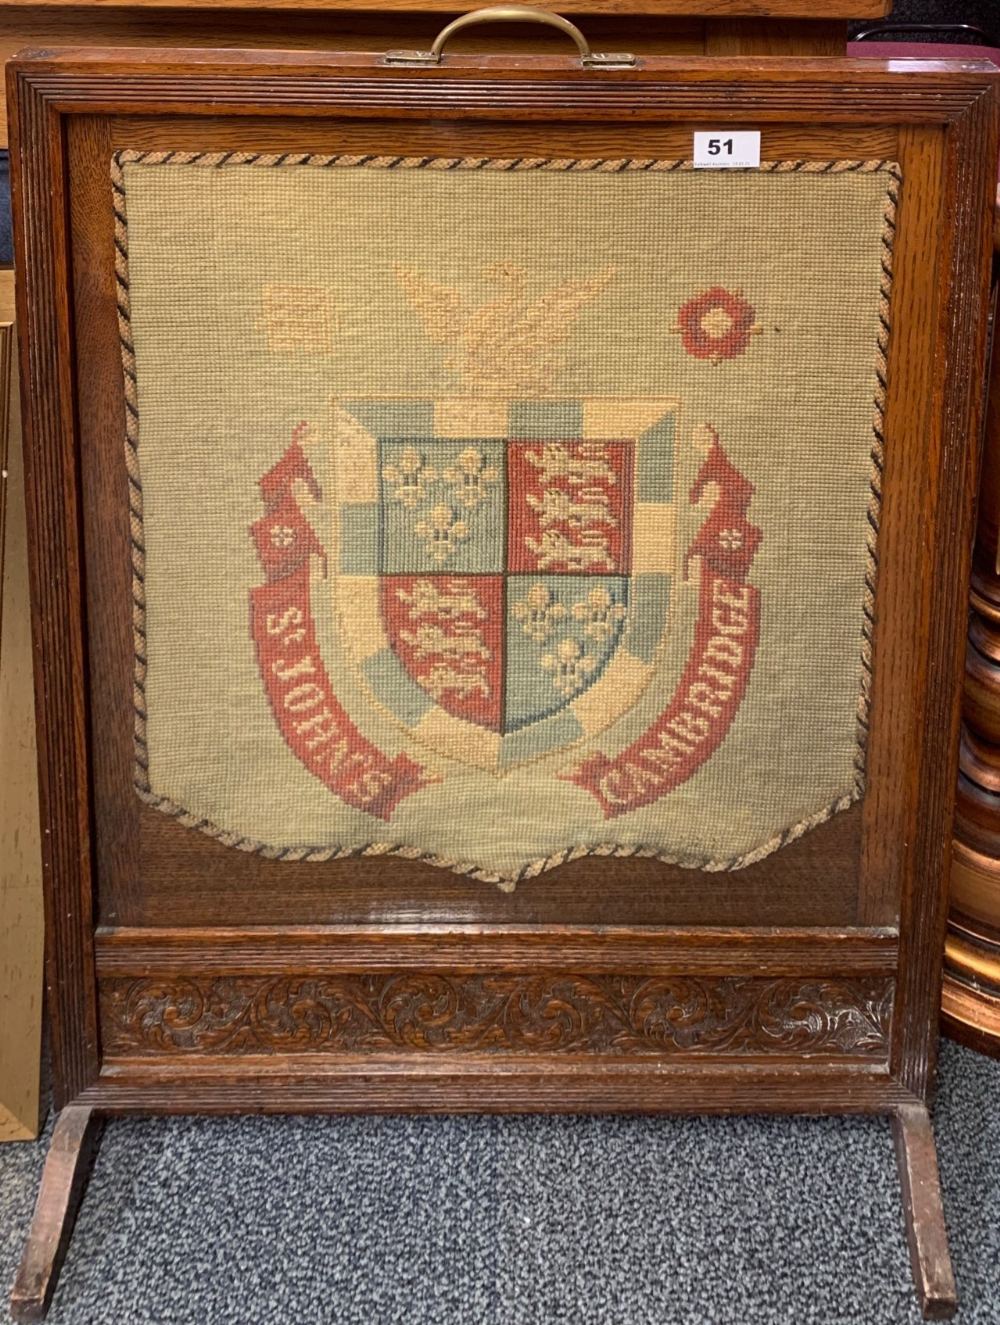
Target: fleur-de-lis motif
601,613
538,612
470,477
569,666
409,477
442,531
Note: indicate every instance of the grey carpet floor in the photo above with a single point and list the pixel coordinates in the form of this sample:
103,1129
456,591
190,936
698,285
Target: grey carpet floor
516,1221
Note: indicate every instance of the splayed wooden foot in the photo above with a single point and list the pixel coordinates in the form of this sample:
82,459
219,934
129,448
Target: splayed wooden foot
71,1154
916,1155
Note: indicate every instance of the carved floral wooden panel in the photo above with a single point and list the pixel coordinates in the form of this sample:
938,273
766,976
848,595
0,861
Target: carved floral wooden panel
502,1012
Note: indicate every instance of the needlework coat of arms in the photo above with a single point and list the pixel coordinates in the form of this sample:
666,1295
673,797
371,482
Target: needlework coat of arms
498,512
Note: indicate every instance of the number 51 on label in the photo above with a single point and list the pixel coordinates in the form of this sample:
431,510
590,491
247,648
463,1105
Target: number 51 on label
727,149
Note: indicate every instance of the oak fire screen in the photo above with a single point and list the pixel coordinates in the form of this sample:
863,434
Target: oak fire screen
497,585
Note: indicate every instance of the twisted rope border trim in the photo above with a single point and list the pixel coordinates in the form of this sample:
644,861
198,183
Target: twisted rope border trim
876,471
506,883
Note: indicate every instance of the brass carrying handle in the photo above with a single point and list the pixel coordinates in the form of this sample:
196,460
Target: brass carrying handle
514,14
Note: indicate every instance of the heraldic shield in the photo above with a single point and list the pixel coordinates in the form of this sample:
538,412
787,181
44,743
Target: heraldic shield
501,580
504,568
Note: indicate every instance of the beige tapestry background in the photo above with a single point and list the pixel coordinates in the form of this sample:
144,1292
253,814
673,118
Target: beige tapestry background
628,408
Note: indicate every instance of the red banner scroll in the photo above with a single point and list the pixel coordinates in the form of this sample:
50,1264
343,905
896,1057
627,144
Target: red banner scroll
695,722
311,719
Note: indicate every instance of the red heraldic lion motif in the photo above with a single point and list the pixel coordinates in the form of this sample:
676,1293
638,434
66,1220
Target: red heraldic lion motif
447,632
571,506
312,721
695,722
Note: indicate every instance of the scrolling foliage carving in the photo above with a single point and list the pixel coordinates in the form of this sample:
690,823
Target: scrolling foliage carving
503,1013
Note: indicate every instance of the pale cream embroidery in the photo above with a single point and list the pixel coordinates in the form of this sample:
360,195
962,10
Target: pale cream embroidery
298,317
588,462
601,612
442,531
427,599
717,322
558,507
508,345
410,477
569,665
463,670
538,613
554,549
428,640
282,535
470,477
444,679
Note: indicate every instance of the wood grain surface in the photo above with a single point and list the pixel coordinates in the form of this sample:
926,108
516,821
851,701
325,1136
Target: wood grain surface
722,9
656,32
67,1167
926,1235
124,865
21,927
970,1001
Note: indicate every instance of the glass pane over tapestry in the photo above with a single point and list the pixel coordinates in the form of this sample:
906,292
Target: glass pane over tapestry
498,513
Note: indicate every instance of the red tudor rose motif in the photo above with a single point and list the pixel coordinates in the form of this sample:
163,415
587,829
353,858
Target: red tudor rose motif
716,325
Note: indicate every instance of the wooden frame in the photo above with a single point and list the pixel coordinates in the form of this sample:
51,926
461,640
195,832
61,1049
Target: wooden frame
404,929
717,9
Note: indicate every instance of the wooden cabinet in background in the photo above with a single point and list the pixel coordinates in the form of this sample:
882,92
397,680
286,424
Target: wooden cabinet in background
971,993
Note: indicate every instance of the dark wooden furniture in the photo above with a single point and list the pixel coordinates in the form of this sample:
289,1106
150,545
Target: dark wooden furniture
971,995
846,923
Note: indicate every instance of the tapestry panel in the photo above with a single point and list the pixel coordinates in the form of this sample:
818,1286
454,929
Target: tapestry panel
498,512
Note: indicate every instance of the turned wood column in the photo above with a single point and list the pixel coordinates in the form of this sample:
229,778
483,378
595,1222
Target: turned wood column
971,996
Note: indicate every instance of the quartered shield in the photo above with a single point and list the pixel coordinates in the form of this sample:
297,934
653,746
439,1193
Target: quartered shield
503,568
